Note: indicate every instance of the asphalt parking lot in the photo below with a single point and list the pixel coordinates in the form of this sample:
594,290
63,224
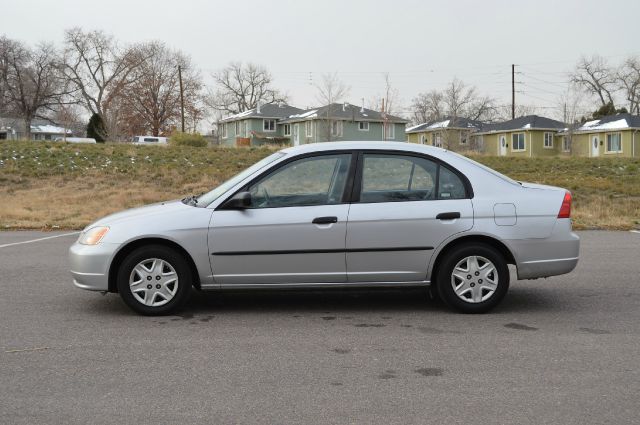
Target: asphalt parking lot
563,350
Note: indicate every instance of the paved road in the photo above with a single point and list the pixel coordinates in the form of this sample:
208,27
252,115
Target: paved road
564,350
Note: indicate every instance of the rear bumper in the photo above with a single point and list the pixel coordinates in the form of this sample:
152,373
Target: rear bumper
552,256
544,268
90,265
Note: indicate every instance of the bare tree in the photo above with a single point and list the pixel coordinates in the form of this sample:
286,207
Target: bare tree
569,106
34,84
503,112
628,77
240,87
457,100
596,77
5,49
98,68
330,90
152,100
428,106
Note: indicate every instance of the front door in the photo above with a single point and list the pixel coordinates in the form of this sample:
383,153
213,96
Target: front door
294,230
400,217
296,134
595,151
503,145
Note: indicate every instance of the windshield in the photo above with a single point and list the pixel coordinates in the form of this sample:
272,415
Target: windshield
209,197
484,167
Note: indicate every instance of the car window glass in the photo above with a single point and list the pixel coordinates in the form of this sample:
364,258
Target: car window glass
450,186
317,180
389,178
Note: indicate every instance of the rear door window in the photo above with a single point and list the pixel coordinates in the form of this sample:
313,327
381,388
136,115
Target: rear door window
397,178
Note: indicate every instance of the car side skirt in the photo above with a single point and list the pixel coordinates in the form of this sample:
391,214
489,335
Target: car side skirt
316,285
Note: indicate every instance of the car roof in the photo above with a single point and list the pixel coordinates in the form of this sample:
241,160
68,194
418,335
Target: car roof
364,145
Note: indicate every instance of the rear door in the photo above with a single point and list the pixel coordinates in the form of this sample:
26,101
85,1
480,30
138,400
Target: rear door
403,208
294,231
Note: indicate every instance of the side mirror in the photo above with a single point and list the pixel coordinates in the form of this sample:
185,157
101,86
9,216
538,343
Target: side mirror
239,201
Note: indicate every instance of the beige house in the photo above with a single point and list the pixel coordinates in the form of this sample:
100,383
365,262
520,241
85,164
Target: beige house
528,136
613,135
456,134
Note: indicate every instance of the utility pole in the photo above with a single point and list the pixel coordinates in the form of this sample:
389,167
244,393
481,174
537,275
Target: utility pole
181,96
513,91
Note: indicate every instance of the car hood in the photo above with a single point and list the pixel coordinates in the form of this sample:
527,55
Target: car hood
160,208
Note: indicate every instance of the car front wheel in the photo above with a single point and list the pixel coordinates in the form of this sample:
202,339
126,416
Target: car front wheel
473,278
154,280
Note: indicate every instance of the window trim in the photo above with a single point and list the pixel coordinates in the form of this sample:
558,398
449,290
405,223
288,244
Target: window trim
544,140
566,144
606,143
275,125
360,125
464,137
284,129
437,140
353,184
308,129
225,133
339,127
524,141
392,127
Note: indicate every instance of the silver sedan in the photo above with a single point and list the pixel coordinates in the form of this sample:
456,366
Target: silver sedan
346,214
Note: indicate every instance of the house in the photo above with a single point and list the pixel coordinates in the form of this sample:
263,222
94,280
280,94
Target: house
284,124
257,126
526,136
454,133
343,121
13,129
613,135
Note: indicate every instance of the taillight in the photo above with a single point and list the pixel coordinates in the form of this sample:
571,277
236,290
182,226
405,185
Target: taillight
565,208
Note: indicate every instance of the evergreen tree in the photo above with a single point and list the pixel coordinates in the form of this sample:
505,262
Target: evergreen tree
97,129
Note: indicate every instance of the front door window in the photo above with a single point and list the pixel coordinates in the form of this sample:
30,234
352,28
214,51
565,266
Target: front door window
318,180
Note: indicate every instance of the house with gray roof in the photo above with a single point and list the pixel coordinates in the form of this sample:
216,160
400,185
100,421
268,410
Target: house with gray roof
453,133
344,121
527,136
257,126
284,124
14,129
613,135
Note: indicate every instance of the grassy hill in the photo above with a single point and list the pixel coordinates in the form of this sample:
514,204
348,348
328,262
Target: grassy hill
60,185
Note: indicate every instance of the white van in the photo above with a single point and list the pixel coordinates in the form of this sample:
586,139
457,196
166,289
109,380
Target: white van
149,140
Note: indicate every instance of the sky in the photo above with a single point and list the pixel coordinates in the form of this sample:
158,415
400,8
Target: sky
421,44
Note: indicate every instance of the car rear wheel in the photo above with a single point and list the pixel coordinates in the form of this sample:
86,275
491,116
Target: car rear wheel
154,280
473,278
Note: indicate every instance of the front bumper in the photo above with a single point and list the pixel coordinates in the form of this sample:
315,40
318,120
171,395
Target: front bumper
90,265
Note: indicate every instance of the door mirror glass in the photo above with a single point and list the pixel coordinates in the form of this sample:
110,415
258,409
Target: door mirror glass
239,201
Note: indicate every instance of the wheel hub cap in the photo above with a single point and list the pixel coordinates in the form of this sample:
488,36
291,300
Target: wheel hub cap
163,276
474,279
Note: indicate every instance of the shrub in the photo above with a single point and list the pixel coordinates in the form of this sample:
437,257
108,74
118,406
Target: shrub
188,139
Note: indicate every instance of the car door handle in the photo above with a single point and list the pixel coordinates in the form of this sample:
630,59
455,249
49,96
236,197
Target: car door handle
325,220
448,216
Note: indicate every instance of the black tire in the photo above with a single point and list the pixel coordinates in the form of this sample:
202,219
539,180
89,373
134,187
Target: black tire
175,259
444,278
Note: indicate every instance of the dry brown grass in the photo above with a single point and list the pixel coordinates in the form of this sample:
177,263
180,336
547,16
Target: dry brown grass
47,185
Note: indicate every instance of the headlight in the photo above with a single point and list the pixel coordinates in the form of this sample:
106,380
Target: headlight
93,236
